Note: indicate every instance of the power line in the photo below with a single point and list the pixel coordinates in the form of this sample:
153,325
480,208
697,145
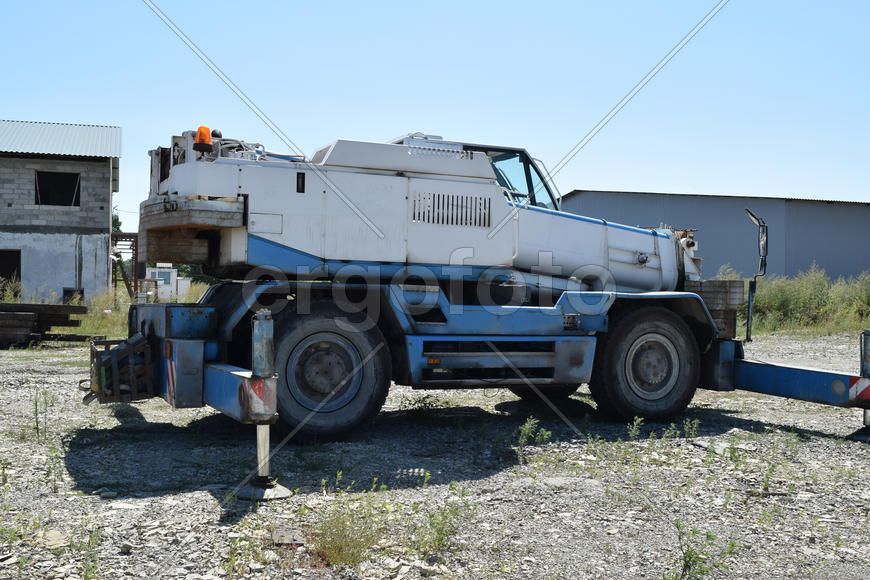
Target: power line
636,89
259,113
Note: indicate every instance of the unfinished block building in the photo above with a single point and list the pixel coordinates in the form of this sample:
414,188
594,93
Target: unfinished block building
56,185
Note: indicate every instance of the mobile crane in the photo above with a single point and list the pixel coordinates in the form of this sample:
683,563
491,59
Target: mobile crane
425,262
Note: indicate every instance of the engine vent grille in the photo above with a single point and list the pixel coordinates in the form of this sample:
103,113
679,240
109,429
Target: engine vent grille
440,152
450,209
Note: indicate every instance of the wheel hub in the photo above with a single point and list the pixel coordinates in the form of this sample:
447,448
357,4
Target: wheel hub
324,372
651,366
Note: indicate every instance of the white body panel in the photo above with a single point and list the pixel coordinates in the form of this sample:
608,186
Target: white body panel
395,203
391,157
566,245
381,199
271,190
214,179
453,222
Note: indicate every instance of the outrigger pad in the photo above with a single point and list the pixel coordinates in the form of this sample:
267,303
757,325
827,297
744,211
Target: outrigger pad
262,491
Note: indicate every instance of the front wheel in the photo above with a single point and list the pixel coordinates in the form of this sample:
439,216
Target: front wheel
648,366
333,372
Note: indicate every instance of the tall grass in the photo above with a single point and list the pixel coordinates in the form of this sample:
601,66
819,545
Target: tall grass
196,290
11,290
811,300
106,318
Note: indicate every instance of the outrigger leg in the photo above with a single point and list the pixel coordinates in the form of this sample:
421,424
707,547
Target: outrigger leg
263,487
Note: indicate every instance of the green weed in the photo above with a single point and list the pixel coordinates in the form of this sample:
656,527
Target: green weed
426,402
54,468
528,433
671,432
85,541
699,554
634,428
345,532
768,475
24,527
23,565
690,427
243,551
106,316
436,533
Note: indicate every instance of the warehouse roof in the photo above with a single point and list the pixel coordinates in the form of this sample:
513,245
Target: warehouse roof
59,139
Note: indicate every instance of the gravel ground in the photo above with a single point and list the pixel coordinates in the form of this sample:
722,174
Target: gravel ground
445,484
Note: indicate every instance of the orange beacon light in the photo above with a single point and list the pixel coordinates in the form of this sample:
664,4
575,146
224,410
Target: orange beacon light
203,140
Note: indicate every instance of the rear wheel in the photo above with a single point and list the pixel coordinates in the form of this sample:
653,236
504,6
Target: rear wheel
555,393
647,366
333,372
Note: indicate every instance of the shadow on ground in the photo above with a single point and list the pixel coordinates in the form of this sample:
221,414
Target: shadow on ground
403,449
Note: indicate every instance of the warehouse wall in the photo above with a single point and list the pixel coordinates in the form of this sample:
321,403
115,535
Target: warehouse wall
834,235
801,231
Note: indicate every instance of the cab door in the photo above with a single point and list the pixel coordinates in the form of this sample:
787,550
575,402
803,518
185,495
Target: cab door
549,241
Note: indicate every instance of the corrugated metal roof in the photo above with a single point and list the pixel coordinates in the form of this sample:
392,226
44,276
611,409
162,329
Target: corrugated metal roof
60,139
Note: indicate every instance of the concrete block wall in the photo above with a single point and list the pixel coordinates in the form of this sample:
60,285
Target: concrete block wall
18,194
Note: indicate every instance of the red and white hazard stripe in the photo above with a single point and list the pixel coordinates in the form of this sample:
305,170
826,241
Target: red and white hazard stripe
859,388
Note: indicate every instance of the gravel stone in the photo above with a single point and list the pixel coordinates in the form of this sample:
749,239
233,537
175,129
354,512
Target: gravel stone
439,485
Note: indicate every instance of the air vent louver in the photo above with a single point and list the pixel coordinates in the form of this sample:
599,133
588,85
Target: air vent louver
450,209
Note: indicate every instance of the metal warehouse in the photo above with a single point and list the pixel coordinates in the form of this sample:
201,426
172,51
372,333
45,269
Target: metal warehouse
56,185
802,231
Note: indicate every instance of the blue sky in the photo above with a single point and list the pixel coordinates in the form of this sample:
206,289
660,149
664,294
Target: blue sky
770,98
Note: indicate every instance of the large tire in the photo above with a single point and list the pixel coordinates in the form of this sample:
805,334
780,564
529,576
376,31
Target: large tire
329,382
555,393
647,366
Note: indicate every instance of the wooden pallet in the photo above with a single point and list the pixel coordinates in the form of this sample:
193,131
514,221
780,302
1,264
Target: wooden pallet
122,370
27,323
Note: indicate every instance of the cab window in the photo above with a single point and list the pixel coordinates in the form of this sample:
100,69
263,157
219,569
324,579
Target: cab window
517,174
541,194
510,172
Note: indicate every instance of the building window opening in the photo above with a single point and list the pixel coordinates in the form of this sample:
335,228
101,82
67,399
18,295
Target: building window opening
53,188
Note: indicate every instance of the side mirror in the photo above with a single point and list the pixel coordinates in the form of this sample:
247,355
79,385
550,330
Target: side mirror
762,241
762,249
762,268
